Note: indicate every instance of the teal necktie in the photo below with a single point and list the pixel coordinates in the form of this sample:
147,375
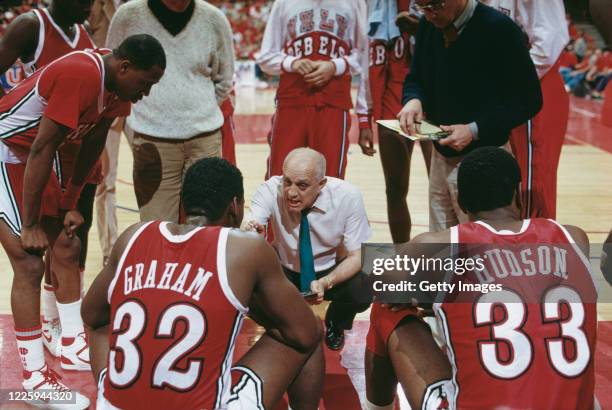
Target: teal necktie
307,271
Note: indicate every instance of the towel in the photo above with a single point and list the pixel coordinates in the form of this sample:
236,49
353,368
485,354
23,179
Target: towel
381,20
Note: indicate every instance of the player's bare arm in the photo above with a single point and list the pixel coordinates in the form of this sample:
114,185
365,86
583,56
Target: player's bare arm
343,272
95,309
19,40
606,259
297,326
421,245
94,141
37,173
581,238
366,142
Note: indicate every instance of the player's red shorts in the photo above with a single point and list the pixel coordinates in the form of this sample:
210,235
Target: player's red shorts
67,156
324,129
246,392
382,323
11,196
228,143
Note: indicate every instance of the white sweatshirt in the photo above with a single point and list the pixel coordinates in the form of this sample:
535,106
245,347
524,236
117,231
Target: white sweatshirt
334,30
198,76
545,24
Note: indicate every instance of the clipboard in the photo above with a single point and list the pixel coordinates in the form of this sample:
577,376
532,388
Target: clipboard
427,131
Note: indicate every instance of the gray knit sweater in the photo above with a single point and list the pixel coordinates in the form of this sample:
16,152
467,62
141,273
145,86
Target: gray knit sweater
198,76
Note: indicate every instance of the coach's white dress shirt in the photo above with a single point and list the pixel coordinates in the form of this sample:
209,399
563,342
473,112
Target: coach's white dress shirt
337,217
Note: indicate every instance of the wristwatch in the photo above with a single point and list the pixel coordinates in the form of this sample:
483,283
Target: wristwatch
329,282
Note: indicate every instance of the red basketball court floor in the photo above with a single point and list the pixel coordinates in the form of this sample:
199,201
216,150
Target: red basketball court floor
344,383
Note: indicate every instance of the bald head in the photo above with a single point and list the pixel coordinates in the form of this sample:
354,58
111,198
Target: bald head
303,178
306,161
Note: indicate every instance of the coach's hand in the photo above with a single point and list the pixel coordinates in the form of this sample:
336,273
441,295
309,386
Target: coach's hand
72,220
253,226
411,116
366,141
318,287
302,66
323,72
460,137
34,239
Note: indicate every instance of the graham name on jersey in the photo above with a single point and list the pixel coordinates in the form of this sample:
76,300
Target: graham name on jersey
191,280
501,263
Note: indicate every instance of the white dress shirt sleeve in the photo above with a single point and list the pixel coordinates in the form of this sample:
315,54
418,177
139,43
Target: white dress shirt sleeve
263,202
357,228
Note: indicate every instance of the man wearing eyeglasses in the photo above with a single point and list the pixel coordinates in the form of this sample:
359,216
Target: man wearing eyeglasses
471,74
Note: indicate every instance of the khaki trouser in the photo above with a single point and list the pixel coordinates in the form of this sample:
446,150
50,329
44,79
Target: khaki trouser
444,210
159,168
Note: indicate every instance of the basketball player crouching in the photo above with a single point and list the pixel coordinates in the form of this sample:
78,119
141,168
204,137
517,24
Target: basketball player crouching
175,297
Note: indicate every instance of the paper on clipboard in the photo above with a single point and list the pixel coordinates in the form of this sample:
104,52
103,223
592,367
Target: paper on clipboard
427,131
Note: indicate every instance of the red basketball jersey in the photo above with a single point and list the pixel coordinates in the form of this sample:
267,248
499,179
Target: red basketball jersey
174,321
70,91
389,66
54,43
509,351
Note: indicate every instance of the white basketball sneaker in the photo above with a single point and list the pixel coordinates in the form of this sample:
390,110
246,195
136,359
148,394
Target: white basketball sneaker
52,334
47,392
75,353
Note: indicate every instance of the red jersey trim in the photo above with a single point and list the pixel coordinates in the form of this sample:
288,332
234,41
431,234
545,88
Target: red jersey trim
441,320
222,271
581,255
224,381
41,41
165,232
505,232
125,253
77,30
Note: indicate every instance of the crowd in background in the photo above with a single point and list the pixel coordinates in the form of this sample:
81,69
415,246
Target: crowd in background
12,8
248,20
586,69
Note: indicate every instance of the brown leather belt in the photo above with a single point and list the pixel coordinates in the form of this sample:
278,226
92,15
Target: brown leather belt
173,140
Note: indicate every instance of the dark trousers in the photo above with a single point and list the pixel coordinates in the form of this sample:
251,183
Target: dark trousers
347,298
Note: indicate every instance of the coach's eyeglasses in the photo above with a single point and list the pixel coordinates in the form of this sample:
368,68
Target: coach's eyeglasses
432,6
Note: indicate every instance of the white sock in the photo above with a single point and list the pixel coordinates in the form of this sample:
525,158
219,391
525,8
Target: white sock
70,317
30,347
371,406
49,301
